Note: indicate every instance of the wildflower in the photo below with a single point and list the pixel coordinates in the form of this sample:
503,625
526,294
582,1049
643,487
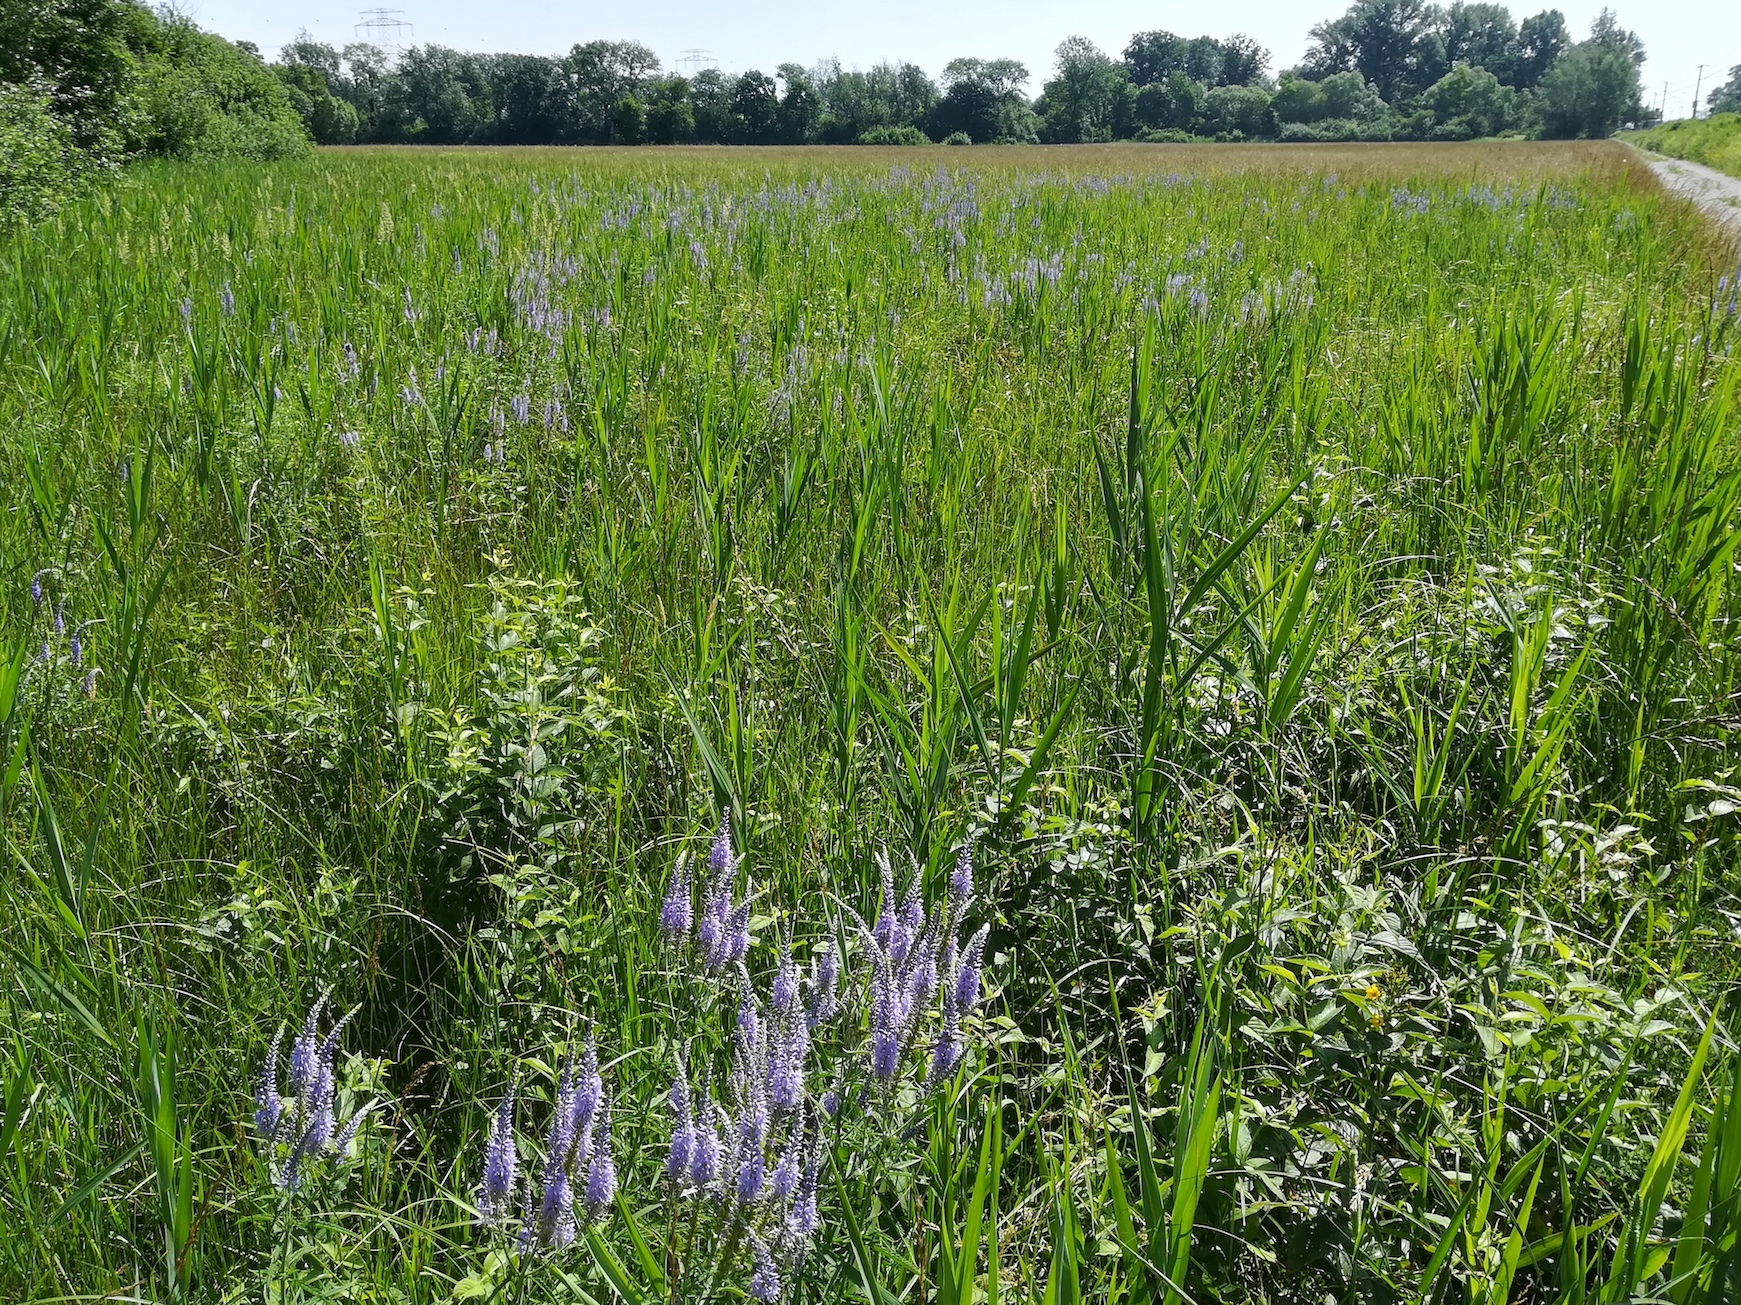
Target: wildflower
784,1180
704,1158
802,1219
90,685
501,1162
749,1025
1373,992
227,300
186,311
785,992
588,1088
305,1049
556,1224
967,978
268,1105
76,645
737,933
36,588
350,439
885,1022
961,880
683,1139
765,1282
522,405
678,911
59,617
601,1171
824,987
883,931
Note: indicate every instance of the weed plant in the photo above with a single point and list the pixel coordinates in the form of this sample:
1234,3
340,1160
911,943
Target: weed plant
1309,587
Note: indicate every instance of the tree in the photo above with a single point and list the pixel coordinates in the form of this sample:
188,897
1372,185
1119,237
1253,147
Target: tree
1089,97
1390,43
1243,61
200,95
1236,111
888,95
1170,105
1727,97
1153,56
447,96
1482,36
75,55
534,101
1467,103
800,106
630,121
982,99
1594,88
710,94
670,115
755,107
328,119
1347,96
1541,40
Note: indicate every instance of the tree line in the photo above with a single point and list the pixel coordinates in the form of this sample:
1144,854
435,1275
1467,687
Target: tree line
85,84
1384,70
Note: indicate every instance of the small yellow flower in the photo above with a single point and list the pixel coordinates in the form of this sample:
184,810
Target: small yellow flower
1373,992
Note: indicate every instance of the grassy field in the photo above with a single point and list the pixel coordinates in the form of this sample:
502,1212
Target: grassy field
1302,579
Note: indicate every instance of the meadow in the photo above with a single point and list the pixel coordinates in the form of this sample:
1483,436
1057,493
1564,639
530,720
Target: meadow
1279,604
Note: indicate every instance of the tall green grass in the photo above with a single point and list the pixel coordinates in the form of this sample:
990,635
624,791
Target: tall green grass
1314,594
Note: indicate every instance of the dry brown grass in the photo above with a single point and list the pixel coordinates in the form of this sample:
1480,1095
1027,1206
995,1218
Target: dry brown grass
1475,161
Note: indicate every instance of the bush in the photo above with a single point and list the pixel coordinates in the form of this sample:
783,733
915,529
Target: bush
1164,136
958,138
39,165
902,135
200,96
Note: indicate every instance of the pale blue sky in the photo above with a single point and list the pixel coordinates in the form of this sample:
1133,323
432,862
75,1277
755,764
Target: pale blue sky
1678,34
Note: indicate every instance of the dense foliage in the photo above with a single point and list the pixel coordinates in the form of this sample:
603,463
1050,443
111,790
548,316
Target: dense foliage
1310,591
86,84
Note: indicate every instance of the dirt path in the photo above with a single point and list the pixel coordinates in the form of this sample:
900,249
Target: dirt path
1717,194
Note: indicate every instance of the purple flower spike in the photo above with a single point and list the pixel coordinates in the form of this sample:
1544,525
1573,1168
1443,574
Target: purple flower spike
784,1180
683,1141
501,1165
884,929
961,881
967,979
824,987
601,1171
765,1283
749,1179
268,1105
588,1087
737,934
678,913
720,861
785,993
556,1224
305,1050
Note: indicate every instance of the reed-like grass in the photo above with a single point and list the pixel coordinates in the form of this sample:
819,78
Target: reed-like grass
1306,572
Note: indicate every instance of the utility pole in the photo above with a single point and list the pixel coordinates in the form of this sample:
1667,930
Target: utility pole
1697,87
1662,104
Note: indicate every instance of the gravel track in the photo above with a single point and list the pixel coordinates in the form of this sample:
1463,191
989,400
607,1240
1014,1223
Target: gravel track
1719,195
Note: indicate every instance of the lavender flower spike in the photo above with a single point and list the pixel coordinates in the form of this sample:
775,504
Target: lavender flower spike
556,1225
683,1139
961,880
501,1163
765,1282
305,1050
268,1105
601,1170
967,979
678,912
588,1087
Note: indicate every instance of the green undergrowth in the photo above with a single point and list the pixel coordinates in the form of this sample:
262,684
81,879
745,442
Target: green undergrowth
1314,597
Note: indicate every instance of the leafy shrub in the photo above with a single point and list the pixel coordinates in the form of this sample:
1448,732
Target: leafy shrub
1713,141
958,138
39,165
901,135
201,96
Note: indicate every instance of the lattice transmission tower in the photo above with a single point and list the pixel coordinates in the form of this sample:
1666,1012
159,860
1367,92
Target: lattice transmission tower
386,31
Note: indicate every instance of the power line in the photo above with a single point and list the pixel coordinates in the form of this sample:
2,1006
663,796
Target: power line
384,30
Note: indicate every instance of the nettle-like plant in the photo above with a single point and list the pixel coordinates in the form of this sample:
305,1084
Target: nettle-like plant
831,1057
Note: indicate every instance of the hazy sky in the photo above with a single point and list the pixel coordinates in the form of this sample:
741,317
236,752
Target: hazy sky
1678,35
